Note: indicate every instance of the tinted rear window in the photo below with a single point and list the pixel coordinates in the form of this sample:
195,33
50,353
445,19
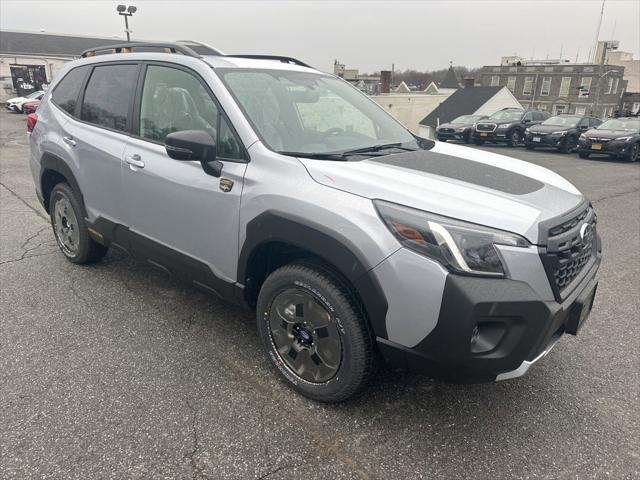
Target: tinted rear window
66,92
108,96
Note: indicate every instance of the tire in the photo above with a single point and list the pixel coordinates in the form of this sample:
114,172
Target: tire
583,154
327,333
634,153
70,228
442,139
569,145
528,146
467,138
514,138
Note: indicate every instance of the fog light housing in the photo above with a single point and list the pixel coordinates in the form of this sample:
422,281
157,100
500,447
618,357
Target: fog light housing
486,336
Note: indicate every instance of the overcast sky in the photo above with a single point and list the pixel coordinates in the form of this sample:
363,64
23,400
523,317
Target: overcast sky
369,35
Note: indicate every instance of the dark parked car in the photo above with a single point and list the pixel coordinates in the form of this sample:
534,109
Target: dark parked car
507,126
560,132
459,129
617,137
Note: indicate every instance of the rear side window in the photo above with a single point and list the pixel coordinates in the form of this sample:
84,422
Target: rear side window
108,96
66,92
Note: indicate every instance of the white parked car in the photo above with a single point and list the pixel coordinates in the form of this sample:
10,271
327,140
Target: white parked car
15,104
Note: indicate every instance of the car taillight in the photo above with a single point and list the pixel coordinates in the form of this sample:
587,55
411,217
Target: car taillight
32,118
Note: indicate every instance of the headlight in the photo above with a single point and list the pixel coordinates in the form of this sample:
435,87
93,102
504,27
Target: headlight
505,125
460,129
462,247
623,139
562,132
527,130
583,137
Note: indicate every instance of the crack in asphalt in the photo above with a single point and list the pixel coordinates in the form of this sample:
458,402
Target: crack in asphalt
276,470
25,202
26,250
196,471
615,195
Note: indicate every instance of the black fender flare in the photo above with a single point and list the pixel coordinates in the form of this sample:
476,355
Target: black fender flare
51,162
270,227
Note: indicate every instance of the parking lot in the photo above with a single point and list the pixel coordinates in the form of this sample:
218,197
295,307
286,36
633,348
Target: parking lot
117,371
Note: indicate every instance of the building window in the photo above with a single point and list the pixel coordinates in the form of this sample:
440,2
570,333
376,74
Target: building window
495,80
527,89
560,109
581,110
610,85
546,87
565,86
635,108
614,89
511,83
585,86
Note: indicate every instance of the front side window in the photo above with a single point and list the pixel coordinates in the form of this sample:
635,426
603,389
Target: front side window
311,113
108,96
66,92
175,100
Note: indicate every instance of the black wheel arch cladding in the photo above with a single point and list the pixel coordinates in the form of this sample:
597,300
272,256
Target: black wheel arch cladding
51,163
279,228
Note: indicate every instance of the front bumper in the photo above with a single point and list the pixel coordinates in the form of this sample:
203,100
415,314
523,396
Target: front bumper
497,136
612,148
458,136
548,140
512,327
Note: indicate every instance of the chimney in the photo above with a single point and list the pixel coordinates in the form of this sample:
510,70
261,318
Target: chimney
469,82
385,81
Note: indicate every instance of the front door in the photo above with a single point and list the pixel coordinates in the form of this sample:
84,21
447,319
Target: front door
178,215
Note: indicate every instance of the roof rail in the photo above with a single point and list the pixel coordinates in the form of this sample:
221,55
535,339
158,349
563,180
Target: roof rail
279,58
185,48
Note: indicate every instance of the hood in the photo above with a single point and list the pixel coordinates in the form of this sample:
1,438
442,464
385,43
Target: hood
550,128
459,182
608,134
16,99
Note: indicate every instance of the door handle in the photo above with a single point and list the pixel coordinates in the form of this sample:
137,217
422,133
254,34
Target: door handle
69,141
134,160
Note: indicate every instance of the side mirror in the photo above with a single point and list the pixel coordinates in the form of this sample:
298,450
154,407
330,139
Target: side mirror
196,145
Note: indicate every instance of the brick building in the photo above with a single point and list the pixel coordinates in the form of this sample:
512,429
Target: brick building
560,87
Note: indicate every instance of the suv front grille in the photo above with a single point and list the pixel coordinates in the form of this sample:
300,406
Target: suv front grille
447,130
570,245
486,127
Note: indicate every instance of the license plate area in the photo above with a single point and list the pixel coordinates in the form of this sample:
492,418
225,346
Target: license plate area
596,146
580,310
483,134
536,139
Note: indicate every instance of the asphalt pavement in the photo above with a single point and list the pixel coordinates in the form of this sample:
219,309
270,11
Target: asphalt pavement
118,371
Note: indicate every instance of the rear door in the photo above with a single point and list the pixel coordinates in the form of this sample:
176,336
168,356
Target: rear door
178,215
98,134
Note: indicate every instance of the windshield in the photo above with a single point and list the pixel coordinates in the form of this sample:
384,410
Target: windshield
467,119
312,113
562,121
33,94
630,124
509,115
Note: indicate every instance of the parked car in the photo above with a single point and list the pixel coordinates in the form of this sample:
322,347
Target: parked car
616,137
15,104
560,132
30,106
352,238
458,129
507,126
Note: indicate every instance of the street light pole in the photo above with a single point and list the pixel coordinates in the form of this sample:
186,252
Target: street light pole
126,12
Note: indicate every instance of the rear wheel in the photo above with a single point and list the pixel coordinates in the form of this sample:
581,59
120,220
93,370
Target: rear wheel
314,333
70,228
583,154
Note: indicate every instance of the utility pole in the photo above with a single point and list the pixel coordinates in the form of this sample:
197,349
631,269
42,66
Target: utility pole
126,12
595,43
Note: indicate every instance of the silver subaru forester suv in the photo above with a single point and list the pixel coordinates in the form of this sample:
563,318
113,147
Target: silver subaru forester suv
285,190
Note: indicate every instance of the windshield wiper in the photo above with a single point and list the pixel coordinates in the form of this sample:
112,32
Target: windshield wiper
319,156
377,148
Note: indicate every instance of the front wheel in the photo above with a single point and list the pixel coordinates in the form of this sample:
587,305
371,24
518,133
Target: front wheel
514,138
583,154
70,228
569,145
634,153
314,332
528,146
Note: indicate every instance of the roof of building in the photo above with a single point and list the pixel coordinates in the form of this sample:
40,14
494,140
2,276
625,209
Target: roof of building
48,44
450,79
464,101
